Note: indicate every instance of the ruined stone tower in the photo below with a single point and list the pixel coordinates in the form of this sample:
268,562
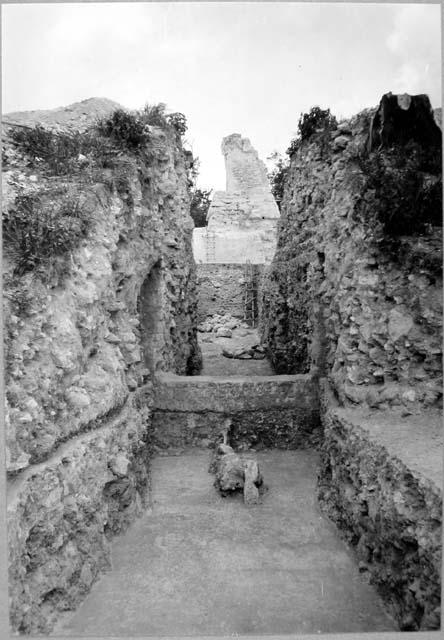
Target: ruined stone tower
242,221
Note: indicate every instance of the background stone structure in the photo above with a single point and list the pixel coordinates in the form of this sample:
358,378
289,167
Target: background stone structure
221,289
242,221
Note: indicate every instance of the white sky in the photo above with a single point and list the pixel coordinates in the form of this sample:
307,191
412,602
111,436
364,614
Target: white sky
249,68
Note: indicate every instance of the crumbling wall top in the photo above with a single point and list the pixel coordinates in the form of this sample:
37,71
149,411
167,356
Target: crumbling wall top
245,172
401,118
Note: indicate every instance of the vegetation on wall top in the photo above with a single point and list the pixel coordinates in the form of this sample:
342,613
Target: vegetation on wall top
62,153
131,129
316,121
278,175
39,227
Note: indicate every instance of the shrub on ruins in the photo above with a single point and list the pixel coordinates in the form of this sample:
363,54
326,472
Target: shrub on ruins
37,229
277,176
178,121
200,203
124,128
316,122
130,129
155,116
200,198
406,184
65,153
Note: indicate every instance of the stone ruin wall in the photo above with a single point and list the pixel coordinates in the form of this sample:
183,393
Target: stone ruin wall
221,289
79,358
386,500
242,221
263,412
246,175
337,303
368,323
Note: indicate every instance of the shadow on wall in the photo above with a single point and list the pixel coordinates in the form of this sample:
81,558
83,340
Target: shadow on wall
150,308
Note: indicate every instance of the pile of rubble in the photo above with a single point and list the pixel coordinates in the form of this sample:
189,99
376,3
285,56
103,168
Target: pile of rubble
223,326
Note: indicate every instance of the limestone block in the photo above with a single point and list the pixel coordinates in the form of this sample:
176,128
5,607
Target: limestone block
252,479
340,142
234,472
223,332
399,324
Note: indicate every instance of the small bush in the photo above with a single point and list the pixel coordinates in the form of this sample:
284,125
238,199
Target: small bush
154,115
179,122
277,176
200,203
316,121
124,128
36,231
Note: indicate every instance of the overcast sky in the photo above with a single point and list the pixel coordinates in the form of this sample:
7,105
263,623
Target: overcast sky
249,68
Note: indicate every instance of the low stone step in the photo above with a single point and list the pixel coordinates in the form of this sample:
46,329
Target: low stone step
234,394
260,411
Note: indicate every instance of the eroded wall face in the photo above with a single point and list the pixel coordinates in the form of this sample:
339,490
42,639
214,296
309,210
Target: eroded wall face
357,300
387,508
77,354
337,299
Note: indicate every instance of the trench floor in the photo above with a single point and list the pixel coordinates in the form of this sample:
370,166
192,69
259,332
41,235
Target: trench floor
200,564
216,364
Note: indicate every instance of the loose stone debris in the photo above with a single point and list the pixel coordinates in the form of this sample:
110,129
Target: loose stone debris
235,473
255,352
221,325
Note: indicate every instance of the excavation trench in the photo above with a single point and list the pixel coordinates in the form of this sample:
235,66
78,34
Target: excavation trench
110,432
201,562
198,563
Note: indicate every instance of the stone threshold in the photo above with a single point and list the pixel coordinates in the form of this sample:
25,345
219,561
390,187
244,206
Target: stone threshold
235,394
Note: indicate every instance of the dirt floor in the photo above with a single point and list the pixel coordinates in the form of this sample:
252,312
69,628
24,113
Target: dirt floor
200,564
215,364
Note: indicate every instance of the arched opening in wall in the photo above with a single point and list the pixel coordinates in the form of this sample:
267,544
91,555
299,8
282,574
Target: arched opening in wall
149,306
